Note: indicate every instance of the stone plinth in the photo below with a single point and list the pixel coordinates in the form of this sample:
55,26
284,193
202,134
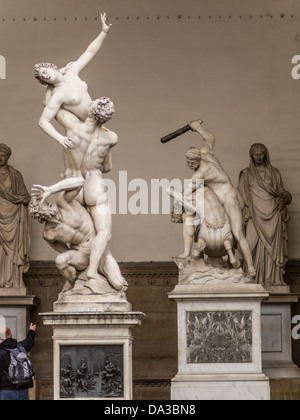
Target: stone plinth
219,343
92,336
15,307
277,336
108,302
11,291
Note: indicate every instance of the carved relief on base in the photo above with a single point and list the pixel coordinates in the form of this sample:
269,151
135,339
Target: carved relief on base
219,337
91,372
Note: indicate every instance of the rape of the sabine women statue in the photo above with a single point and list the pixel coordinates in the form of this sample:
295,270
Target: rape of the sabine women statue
212,218
265,216
79,225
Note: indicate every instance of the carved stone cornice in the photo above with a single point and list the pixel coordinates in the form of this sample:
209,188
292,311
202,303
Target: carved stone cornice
150,273
45,273
42,268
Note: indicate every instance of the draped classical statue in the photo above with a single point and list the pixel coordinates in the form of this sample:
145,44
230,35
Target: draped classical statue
15,224
265,216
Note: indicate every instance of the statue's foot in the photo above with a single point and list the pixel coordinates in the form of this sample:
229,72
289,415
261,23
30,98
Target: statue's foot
247,280
184,255
98,286
125,285
237,264
196,255
94,275
67,287
251,274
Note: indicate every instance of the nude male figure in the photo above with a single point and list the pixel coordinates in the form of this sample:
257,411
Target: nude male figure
84,165
70,231
207,167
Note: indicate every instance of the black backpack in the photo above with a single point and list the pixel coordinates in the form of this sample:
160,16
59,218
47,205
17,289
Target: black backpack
20,371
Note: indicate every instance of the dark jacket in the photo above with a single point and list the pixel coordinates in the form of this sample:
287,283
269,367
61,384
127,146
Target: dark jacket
11,343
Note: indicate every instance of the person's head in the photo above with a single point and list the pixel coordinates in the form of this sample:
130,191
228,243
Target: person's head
5,333
259,153
101,110
46,73
5,154
43,211
193,157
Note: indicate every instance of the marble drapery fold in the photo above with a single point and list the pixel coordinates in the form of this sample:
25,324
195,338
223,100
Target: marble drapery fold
265,215
15,224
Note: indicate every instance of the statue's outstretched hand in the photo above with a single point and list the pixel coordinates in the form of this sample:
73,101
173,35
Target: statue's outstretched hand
105,27
196,125
40,192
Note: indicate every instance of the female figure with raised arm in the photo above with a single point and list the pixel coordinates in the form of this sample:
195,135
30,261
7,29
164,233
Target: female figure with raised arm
66,89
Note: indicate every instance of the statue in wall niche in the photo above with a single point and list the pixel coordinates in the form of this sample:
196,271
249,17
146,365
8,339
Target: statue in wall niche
15,224
219,224
85,163
66,90
265,216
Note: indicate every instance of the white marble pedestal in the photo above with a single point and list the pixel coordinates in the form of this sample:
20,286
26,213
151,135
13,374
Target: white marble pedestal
276,333
15,307
219,343
92,347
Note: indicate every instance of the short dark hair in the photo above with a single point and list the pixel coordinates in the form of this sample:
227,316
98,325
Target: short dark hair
5,333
